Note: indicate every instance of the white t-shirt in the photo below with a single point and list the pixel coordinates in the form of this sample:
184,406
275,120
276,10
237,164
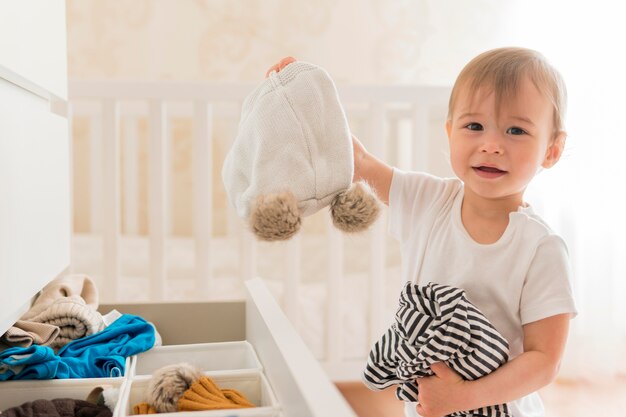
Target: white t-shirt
521,278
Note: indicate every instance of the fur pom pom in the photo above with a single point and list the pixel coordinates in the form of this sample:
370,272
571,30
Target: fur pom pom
110,396
355,209
168,384
275,216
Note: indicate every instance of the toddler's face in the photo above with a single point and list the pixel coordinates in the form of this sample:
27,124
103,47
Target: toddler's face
496,157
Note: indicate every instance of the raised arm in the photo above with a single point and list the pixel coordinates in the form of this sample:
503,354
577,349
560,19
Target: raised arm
372,170
447,392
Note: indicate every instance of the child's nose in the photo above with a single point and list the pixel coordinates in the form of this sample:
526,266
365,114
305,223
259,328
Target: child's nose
492,145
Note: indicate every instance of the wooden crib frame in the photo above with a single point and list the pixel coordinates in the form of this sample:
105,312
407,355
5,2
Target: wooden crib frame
383,111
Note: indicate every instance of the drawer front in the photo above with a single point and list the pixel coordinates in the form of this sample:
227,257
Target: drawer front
33,50
302,387
35,203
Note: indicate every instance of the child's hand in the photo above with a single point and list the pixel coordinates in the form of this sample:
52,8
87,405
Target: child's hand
280,65
441,394
372,170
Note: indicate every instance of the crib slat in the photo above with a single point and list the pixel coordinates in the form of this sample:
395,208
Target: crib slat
70,134
247,241
202,192
95,172
131,180
421,135
110,198
404,140
393,141
248,251
335,295
377,232
232,219
157,198
291,296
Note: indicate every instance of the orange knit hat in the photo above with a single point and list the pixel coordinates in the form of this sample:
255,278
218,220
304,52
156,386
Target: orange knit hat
204,394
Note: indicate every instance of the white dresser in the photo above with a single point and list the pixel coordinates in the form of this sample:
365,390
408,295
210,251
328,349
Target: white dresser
34,151
35,231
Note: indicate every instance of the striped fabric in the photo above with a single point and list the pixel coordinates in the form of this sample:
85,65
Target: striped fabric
436,323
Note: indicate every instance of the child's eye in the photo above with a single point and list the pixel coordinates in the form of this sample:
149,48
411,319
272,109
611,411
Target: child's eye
515,131
474,126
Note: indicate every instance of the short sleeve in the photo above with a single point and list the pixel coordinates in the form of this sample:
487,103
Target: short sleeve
547,290
415,197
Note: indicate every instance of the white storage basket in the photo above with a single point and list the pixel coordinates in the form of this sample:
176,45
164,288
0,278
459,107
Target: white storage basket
16,393
252,384
222,356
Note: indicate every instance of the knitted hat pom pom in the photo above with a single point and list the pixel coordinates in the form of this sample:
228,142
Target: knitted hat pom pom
275,216
355,209
168,384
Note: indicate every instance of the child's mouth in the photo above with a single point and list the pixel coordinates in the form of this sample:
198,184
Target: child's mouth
488,172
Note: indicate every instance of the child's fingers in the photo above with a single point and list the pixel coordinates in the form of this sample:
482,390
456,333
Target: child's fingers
420,410
440,369
280,65
272,68
285,61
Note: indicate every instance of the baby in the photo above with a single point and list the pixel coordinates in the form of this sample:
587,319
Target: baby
476,232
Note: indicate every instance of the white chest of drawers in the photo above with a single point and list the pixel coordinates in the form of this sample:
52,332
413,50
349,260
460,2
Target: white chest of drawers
34,152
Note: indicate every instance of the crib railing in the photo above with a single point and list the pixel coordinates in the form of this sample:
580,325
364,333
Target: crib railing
392,121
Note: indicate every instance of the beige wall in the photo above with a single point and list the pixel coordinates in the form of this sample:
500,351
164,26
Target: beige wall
369,41
357,41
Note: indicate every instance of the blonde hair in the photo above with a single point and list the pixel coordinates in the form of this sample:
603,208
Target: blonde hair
500,71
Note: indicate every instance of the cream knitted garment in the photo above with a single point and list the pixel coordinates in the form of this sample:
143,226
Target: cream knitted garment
293,136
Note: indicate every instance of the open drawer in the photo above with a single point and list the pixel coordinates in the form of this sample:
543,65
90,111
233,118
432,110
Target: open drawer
260,340
301,385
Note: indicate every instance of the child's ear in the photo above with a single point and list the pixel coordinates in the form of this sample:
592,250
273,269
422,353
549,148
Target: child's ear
448,127
554,151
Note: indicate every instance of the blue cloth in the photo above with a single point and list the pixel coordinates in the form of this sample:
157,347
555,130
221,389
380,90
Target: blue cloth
37,361
99,355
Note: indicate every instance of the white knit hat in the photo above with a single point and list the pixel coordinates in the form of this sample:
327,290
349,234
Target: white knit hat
294,136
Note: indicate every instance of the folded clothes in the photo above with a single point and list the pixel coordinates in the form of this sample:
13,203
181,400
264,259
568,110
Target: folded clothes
99,355
66,286
436,323
74,318
61,407
25,333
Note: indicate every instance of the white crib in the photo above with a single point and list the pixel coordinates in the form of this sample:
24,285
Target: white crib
319,276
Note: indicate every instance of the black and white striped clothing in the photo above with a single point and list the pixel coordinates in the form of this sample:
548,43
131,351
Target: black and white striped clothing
436,323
